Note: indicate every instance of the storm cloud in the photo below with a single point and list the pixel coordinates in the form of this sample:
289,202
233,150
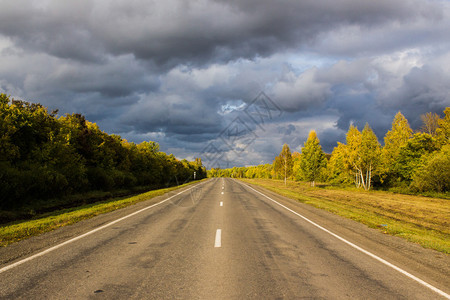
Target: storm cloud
179,72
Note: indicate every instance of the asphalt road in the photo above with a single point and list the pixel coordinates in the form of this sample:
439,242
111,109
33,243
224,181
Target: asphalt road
220,240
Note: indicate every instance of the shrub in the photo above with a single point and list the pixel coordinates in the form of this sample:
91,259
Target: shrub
434,173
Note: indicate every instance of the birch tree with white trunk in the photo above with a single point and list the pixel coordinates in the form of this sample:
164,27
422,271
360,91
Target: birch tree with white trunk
284,163
362,155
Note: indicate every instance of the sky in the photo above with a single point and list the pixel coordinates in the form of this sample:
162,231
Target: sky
229,81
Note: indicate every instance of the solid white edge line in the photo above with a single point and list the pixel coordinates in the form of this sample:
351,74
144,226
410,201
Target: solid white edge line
89,232
442,293
218,240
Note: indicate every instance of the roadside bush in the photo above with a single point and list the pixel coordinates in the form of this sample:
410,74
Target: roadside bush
99,179
123,179
434,173
12,187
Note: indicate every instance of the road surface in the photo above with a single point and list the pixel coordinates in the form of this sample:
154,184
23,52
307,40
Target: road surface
220,239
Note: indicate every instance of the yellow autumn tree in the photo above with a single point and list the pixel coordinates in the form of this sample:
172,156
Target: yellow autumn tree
312,159
395,139
443,130
362,155
283,163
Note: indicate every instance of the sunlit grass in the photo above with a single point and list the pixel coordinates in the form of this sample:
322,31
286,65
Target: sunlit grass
421,220
19,230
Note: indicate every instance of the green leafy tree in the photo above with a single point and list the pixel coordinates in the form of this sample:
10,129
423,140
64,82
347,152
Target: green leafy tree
42,157
312,158
410,155
433,173
8,127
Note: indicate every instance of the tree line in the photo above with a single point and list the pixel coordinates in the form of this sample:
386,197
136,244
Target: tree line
408,161
44,156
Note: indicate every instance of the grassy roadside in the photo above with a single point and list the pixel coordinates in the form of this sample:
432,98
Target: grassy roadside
39,207
19,230
421,220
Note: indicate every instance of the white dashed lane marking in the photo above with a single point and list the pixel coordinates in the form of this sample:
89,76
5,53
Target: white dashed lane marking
218,241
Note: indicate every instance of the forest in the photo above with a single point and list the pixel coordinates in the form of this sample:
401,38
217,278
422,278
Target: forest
411,162
43,156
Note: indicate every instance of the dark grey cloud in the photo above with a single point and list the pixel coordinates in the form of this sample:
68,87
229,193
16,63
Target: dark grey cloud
179,72
173,115
173,32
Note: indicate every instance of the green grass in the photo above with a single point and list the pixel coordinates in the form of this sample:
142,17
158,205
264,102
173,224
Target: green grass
422,220
19,230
